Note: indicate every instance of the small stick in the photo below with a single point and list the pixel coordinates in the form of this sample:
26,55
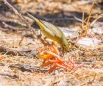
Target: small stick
84,33
24,20
96,19
10,75
88,23
82,19
21,40
90,13
18,14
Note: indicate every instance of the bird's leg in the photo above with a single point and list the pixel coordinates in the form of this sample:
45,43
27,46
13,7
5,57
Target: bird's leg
41,39
47,43
44,41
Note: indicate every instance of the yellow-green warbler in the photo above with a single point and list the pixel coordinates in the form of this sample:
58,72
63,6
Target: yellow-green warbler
52,32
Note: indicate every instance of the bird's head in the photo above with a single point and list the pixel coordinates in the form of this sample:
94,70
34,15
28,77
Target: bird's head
65,44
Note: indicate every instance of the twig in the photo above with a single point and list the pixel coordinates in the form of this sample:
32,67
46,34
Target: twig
24,52
9,26
10,75
18,14
24,20
96,19
82,19
84,33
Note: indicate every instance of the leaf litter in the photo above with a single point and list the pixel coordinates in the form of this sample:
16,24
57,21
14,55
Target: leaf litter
25,69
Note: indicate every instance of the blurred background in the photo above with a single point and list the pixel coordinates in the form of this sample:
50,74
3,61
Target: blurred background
58,12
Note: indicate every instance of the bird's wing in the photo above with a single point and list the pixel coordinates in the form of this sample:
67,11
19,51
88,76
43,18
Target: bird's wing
49,28
56,31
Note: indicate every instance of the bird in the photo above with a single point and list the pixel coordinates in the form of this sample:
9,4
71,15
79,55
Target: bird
52,32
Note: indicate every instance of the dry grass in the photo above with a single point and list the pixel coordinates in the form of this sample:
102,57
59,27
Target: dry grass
19,65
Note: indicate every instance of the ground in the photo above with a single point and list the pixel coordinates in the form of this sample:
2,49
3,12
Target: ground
19,62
